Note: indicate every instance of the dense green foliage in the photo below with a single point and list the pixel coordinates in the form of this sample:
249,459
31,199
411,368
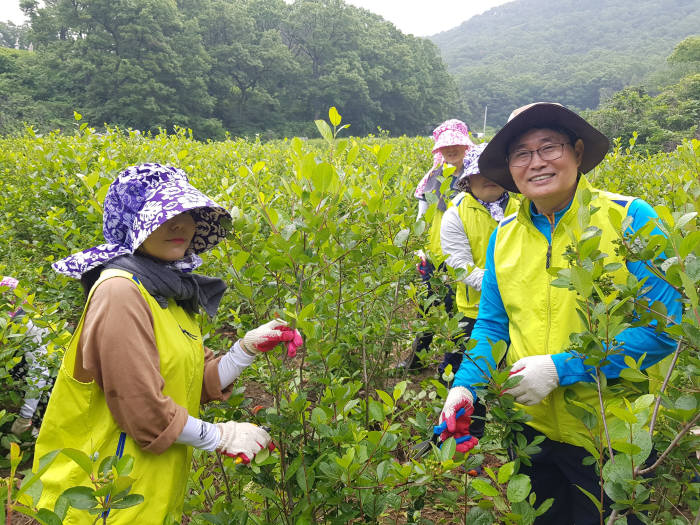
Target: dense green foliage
216,66
659,122
323,236
575,53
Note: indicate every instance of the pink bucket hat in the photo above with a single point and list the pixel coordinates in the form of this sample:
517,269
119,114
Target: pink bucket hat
452,132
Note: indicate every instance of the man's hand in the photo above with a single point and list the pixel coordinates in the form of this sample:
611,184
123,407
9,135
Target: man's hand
242,440
539,378
266,337
456,422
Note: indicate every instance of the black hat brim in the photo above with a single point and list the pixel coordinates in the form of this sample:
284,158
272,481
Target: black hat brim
493,164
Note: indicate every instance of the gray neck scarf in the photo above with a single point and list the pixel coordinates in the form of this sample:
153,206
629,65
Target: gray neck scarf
189,290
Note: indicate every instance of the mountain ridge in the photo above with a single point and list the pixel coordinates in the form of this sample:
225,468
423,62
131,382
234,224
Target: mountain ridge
584,52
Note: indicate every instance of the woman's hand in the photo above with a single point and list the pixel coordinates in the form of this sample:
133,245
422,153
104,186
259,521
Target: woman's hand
242,440
266,337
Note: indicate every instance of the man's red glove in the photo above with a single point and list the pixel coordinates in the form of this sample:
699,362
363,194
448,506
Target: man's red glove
457,426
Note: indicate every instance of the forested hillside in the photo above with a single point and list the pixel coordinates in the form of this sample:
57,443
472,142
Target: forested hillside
577,53
216,66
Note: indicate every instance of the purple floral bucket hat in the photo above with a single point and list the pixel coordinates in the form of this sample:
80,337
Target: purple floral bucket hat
140,200
471,160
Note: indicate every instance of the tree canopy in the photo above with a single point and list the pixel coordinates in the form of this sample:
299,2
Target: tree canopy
219,66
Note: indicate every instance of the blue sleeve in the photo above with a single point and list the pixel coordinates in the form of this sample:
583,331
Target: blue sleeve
491,325
637,340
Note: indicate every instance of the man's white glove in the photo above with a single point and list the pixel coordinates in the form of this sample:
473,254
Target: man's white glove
539,378
242,440
264,338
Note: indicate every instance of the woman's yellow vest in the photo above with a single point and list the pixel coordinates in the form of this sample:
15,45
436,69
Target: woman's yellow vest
77,417
478,225
542,316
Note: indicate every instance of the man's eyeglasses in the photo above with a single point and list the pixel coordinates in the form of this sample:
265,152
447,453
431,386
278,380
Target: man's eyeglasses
522,157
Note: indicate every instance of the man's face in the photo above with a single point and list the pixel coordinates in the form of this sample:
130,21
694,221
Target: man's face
550,184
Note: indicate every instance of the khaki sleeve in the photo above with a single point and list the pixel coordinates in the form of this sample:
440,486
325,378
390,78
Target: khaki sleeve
119,350
211,387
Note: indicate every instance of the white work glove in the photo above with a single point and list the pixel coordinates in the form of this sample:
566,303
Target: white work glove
539,378
242,440
21,425
264,338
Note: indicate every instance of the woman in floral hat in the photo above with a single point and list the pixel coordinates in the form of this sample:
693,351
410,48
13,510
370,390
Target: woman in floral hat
136,370
451,144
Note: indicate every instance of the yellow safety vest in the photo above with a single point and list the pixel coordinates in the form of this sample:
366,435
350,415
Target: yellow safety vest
478,225
542,316
77,417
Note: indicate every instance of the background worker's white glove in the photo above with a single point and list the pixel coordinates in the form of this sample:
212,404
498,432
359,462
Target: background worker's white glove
539,375
264,338
242,440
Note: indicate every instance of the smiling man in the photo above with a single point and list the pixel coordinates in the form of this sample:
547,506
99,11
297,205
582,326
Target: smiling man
543,152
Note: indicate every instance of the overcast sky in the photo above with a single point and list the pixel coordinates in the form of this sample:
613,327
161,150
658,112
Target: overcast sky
417,17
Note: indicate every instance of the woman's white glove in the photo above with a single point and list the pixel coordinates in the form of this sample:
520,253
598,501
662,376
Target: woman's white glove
539,378
264,338
242,440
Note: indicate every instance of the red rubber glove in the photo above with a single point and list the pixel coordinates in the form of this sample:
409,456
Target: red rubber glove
458,397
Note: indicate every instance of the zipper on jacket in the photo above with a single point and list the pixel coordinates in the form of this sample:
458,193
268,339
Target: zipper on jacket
551,239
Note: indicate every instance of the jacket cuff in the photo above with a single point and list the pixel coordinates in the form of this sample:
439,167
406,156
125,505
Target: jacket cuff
166,438
570,368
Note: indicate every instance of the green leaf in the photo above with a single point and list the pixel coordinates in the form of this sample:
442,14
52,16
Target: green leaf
48,517
80,497
125,465
479,516
448,449
386,398
127,501
484,487
505,472
625,447
399,389
384,153
631,374
498,351
334,116
401,237
689,288
80,458
686,403
376,411
518,488
623,414
591,497
61,507
324,129
685,219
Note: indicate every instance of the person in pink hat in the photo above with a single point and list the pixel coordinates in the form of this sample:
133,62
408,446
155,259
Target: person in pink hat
452,142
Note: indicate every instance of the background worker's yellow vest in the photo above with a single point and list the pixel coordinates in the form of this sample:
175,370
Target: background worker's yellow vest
434,246
541,316
78,417
478,225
